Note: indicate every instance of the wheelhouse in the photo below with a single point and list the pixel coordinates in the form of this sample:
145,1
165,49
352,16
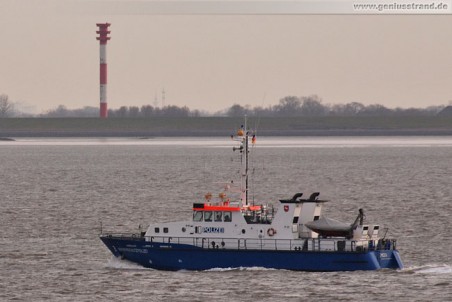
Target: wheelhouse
219,212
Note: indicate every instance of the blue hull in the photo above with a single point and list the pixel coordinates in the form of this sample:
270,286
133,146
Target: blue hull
164,256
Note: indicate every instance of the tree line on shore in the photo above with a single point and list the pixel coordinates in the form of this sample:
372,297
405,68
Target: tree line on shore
287,106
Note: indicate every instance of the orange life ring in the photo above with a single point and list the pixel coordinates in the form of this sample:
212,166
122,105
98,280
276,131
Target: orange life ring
271,232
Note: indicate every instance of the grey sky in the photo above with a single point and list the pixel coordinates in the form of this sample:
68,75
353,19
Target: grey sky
50,56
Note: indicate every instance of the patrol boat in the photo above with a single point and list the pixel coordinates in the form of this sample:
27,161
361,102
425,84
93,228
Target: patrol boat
224,233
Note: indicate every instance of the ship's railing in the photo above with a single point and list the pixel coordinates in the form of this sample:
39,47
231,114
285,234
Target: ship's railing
302,244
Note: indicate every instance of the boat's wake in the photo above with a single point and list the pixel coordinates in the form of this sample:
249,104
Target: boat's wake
118,263
429,269
254,268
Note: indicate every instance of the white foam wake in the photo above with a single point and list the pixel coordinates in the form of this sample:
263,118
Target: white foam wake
430,269
118,263
254,268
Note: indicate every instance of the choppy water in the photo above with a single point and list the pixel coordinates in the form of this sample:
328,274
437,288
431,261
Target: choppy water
55,193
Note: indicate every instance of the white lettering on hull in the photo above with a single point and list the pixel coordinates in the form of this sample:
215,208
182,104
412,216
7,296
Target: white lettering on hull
132,250
215,230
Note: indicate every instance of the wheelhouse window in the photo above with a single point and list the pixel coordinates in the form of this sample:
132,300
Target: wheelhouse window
165,230
227,216
157,230
197,216
218,216
208,216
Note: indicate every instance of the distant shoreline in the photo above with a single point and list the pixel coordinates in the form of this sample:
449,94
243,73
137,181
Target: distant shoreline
224,126
9,136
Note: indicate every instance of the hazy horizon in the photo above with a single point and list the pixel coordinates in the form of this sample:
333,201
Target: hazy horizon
50,57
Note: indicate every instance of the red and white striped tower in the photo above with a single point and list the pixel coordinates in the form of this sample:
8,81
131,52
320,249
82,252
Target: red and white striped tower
103,38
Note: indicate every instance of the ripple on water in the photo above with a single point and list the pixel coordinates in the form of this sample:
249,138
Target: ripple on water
55,196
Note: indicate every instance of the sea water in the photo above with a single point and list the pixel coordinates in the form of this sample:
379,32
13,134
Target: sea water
57,195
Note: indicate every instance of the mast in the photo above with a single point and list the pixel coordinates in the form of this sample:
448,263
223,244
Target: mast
242,137
246,163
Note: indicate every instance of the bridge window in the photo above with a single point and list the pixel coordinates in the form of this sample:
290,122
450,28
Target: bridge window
157,230
197,216
165,230
227,216
218,216
208,216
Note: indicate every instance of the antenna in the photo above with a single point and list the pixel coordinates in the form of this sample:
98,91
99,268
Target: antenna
163,97
246,160
156,102
259,115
